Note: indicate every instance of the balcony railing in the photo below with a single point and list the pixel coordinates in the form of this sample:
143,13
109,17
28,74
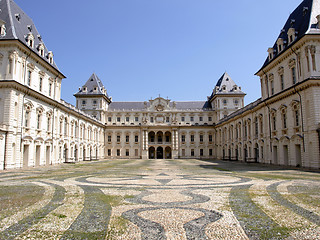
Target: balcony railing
159,143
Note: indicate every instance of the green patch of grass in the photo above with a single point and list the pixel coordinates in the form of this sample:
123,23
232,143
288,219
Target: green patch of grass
59,215
16,198
117,227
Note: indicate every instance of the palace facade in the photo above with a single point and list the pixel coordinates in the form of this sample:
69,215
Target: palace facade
38,128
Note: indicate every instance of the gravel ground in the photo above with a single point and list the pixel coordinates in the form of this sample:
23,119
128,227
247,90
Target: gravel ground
160,199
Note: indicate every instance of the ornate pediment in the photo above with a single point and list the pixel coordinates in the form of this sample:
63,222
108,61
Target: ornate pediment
159,105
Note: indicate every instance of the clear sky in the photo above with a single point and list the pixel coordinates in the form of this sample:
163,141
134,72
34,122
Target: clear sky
175,48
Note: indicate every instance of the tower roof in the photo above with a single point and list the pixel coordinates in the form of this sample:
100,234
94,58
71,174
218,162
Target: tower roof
303,20
19,26
93,87
226,85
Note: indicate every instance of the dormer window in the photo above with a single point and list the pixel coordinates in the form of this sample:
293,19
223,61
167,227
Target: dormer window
2,28
50,57
280,44
30,40
84,89
18,17
291,35
41,49
270,52
224,88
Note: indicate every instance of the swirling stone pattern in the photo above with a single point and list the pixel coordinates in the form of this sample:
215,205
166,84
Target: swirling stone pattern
160,199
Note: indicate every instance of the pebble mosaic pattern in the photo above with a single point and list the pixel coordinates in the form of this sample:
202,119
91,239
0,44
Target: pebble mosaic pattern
160,199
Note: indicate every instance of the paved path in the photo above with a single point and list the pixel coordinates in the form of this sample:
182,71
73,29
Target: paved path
160,199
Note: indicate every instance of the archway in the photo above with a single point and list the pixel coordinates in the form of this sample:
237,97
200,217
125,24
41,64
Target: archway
152,152
168,137
159,153
76,153
65,153
84,154
159,137
168,153
237,153
152,137
256,153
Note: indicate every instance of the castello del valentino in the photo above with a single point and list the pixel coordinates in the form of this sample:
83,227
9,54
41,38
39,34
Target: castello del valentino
38,128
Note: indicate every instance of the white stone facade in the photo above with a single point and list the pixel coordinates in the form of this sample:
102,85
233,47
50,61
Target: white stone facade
37,128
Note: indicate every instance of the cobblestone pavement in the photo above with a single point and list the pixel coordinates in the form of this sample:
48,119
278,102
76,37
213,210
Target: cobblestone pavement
160,199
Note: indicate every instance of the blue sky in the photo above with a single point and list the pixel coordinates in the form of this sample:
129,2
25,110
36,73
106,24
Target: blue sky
175,48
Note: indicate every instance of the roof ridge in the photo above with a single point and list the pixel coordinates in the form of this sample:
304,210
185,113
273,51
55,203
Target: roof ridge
11,20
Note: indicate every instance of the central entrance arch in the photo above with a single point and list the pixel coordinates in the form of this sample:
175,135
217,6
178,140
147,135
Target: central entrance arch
160,153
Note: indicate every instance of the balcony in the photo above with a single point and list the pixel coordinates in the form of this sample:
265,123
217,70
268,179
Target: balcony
159,143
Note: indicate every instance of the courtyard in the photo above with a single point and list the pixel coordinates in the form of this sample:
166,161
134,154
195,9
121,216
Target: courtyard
159,199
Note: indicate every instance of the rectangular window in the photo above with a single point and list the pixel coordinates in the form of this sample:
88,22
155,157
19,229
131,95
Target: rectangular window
118,139
210,152
183,138
136,139
192,138
209,119
167,119
50,89
118,119
118,152
192,152
109,138
136,119
109,119
274,121
182,119
29,78
40,84
200,119
282,81
210,138
127,119
201,152
294,77
127,153
201,138
191,119
284,120
296,113
272,87
151,119
48,124
127,139
109,152
38,121
26,121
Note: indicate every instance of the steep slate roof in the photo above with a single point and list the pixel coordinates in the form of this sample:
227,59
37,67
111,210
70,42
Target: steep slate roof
302,19
18,25
225,80
93,82
139,106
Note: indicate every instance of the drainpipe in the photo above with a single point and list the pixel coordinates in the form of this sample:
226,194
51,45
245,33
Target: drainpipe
294,87
318,131
5,150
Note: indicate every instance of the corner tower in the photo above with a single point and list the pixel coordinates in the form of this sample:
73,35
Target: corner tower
93,98
226,97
